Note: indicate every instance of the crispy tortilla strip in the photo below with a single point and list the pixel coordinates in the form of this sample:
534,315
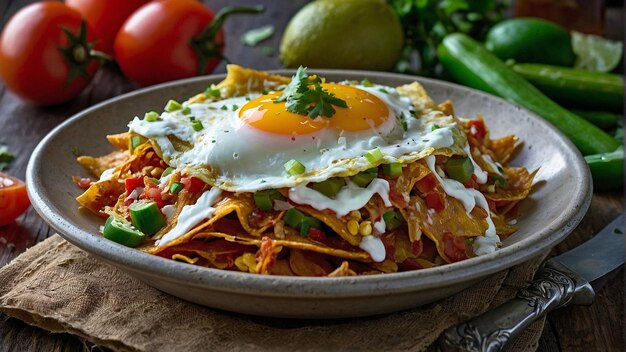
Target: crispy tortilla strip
293,240
339,225
218,253
241,81
420,99
503,229
305,263
100,195
447,108
452,219
519,183
343,270
96,166
503,148
120,140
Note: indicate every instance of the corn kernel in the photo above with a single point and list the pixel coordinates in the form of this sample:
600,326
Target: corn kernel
491,188
353,227
240,264
157,171
365,228
355,214
250,260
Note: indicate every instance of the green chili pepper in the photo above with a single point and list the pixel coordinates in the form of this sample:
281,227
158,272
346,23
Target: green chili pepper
460,169
120,231
264,199
362,179
329,187
607,170
473,65
576,87
147,217
393,169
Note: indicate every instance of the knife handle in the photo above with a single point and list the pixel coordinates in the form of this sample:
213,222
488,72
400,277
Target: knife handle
554,287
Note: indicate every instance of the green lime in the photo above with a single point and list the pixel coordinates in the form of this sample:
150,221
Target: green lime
595,53
355,34
531,40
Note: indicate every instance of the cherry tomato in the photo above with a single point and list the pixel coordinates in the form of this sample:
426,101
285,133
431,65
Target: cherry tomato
44,53
106,17
171,39
13,199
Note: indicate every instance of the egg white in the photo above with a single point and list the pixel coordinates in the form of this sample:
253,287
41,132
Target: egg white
233,156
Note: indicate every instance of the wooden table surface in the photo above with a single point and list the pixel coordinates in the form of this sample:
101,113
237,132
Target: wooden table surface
599,327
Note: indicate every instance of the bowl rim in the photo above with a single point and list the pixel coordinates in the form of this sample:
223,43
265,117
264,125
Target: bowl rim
138,262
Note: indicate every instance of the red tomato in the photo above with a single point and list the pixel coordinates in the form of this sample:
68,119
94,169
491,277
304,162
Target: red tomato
435,201
39,61
133,182
171,39
192,184
454,247
106,17
13,199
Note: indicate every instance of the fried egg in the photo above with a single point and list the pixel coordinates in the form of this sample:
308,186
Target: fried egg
241,144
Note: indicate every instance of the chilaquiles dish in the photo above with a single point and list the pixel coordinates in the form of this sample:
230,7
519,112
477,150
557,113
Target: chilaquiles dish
296,176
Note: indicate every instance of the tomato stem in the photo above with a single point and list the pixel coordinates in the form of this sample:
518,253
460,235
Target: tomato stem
205,44
79,54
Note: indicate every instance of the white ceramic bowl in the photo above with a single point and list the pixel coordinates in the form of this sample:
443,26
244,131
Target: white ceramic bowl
559,200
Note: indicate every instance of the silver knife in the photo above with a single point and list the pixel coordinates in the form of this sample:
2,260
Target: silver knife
563,280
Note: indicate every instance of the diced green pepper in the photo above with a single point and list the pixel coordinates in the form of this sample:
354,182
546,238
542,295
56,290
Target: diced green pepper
136,141
212,92
120,231
362,179
293,218
147,217
460,169
373,155
151,116
173,105
294,167
392,219
264,199
176,187
167,171
329,187
393,169
297,220
197,125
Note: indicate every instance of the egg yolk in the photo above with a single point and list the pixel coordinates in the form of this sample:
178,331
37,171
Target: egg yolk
364,111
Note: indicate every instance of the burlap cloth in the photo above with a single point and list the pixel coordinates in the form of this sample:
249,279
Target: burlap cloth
60,288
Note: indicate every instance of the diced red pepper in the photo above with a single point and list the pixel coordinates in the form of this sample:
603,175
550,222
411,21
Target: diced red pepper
153,193
479,131
426,183
192,184
416,247
471,183
132,183
434,200
397,198
454,247
317,235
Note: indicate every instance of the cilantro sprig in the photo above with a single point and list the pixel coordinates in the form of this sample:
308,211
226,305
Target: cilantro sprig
5,157
304,95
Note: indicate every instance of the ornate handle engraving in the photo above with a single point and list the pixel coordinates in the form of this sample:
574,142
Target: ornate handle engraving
554,287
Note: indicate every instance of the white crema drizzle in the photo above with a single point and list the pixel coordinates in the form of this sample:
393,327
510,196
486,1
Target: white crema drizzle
469,197
350,197
192,214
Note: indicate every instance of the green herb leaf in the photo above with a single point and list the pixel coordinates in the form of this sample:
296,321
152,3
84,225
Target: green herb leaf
5,157
257,35
305,96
